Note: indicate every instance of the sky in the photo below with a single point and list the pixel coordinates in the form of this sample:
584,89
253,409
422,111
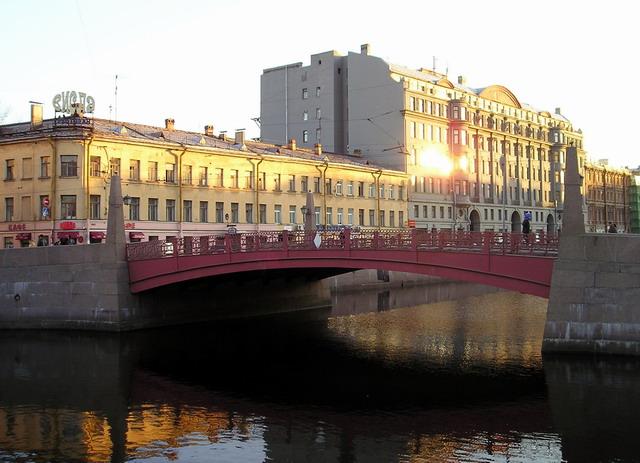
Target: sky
200,62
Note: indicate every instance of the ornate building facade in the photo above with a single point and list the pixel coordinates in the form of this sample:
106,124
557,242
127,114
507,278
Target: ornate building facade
607,196
56,176
477,158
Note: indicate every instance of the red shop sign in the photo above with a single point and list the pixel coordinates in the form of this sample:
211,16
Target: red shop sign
68,225
17,227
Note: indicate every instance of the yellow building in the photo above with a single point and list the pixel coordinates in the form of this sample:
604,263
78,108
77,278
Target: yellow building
57,173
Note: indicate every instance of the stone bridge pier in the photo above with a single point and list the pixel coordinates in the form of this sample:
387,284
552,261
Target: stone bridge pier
594,302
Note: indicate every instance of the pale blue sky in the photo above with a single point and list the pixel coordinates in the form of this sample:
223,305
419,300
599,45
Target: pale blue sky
200,61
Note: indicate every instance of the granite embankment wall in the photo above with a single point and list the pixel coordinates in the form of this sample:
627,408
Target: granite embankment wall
64,287
594,303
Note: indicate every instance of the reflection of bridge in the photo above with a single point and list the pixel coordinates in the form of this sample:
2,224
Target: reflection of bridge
507,260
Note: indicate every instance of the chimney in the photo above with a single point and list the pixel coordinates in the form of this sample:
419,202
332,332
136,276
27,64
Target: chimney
36,115
169,124
208,130
365,49
462,80
558,111
318,149
222,136
239,137
292,144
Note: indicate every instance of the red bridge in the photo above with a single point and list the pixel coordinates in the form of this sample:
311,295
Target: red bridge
512,261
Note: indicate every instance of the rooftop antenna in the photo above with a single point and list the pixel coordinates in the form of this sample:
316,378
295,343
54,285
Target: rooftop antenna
116,98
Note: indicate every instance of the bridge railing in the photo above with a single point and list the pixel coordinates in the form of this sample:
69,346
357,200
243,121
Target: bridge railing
418,240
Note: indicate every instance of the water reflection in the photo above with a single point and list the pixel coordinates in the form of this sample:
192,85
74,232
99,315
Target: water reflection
450,381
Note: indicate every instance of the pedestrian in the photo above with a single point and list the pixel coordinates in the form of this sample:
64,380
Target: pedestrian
612,228
526,229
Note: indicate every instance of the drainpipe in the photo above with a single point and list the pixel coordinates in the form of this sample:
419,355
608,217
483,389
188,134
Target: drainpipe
256,173
52,199
323,190
88,196
376,176
178,158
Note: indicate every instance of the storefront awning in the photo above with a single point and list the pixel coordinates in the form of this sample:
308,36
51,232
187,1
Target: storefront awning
97,235
23,236
136,235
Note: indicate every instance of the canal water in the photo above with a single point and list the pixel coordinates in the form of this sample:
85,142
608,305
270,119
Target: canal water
457,376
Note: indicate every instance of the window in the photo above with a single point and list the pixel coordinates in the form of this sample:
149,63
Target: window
305,115
327,186
304,184
329,215
45,162
442,212
276,184
204,211
360,189
433,212
248,209
277,213
8,242
372,190
382,223
203,176
350,188
392,192
317,91
372,217
219,212
27,168
134,208
234,178
134,169
316,212
400,218
292,214
305,136
305,93
94,207
425,210
94,166
8,209
187,211
10,169
187,175
152,209
68,206
152,172
292,183
361,217
350,216
171,210
339,187
382,189
219,176
416,212
114,166
316,185
263,213
248,179
170,173
235,213
262,181
68,166
392,218
340,213
318,113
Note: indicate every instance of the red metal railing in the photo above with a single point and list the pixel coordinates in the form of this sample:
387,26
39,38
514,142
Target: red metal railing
419,240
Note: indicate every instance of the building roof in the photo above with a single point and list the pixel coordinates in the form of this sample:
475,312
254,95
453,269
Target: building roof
69,127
